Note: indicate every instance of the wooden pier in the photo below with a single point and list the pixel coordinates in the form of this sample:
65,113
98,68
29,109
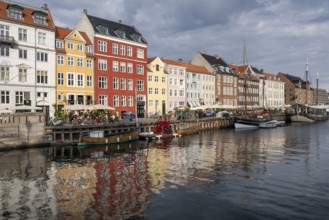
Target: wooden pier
71,134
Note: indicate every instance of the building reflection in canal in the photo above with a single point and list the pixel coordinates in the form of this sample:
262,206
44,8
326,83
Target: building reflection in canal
117,182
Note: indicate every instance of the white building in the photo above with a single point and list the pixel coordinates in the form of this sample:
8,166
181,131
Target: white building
27,57
176,85
274,91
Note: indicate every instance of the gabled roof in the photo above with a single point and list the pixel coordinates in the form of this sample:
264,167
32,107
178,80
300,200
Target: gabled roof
112,27
295,80
62,33
214,60
171,62
28,12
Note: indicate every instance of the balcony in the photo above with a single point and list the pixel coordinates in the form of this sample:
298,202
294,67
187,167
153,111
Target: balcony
4,39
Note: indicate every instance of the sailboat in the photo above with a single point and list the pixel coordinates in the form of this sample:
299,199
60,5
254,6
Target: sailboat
251,120
306,112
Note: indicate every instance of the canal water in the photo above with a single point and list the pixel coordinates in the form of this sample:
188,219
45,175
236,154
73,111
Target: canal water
280,173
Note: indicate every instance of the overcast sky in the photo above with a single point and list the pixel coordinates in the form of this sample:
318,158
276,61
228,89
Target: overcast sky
280,34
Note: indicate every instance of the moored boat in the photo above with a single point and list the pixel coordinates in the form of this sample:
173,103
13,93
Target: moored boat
269,124
98,138
162,129
188,130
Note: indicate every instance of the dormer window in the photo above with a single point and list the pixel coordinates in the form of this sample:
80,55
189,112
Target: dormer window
40,18
102,29
15,11
136,37
59,44
89,49
120,33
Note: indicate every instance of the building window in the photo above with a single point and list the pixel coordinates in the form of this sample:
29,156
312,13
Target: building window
60,60
21,97
79,62
122,50
89,64
115,83
70,46
102,82
4,97
42,38
22,53
89,81
156,79
80,80
102,46
140,69
115,66
15,13
163,91
140,53
140,85
123,84
130,84
42,57
150,91
70,79
123,101
60,79
42,77
4,73
4,51
130,68
129,51
59,44
115,48
157,67
22,34
150,103
70,61
163,79
79,47
122,67
22,74
102,64
89,49
115,101
40,19
130,101
102,99
149,78
156,91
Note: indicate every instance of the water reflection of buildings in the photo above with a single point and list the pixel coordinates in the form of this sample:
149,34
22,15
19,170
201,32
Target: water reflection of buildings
73,188
24,191
122,186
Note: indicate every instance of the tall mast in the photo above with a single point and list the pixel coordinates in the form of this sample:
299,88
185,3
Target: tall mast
245,75
317,88
306,80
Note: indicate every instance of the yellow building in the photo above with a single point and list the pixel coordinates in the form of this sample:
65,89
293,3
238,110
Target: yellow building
74,68
157,87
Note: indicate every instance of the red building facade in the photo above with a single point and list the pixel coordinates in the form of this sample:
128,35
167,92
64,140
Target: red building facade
120,64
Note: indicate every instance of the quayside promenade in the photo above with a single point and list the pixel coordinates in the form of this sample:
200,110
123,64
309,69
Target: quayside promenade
24,130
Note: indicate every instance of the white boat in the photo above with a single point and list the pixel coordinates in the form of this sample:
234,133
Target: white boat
269,124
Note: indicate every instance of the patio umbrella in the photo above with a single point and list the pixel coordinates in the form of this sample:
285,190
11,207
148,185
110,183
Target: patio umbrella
101,107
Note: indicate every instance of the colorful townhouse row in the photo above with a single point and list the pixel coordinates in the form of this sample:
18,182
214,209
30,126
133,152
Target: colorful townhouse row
104,62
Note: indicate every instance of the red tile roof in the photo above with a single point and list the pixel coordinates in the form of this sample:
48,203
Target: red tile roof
61,33
189,67
27,15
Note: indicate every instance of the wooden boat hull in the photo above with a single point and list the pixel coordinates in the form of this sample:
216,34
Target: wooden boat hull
188,130
114,139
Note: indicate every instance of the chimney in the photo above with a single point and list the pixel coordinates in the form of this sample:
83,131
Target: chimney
45,6
180,60
85,11
120,21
